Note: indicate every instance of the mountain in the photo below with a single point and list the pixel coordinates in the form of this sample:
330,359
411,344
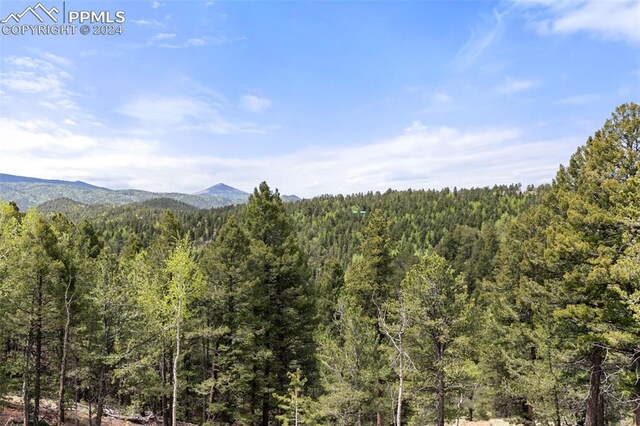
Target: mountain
28,192
231,193
5,178
66,206
225,191
291,198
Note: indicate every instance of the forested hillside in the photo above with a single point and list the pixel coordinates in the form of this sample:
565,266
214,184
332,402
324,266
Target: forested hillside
404,307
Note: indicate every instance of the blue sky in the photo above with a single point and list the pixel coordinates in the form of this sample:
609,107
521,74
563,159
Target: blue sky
316,97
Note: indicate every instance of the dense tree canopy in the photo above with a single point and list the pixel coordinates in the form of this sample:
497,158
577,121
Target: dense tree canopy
403,307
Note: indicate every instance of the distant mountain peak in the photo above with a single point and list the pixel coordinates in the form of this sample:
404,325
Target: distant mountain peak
27,192
223,186
225,191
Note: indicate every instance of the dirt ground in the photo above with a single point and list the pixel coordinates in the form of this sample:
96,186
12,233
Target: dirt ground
12,415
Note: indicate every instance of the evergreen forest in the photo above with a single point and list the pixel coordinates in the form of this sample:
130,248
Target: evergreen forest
411,307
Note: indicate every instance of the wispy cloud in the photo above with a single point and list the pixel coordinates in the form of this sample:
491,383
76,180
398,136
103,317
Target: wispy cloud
512,85
58,60
183,113
45,76
416,126
438,102
152,23
612,20
420,157
578,99
163,36
169,40
254,103
482,37
195,42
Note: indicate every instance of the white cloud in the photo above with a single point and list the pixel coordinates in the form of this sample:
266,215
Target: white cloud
439,102
40,136
419,157
616,20
416,126
163,36
511,86
195,42
423,157
480,40
170,111
577,99
156,4
58,60
46,78
255,103
153,23
442,98
183,113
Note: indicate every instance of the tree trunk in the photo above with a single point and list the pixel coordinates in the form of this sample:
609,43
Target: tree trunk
379,390
400,386
205,369
100,397
527,412
63,358
212,389
166,418
174,406
105,350
25,380
636,404
265,410
440,388
595,404
76,393
399,345
636,391
266,401
379,396
556,403
38,365
458,408
295,422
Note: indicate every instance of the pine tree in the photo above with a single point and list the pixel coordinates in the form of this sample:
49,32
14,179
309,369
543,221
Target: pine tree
229,346
571,277
282,305
9,233
294,405
438,308
368,286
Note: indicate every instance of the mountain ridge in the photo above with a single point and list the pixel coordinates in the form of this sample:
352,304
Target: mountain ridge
7,178
29,192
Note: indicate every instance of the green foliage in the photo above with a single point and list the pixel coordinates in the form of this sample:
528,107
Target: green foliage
419,305
439,310
566,288
294,405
